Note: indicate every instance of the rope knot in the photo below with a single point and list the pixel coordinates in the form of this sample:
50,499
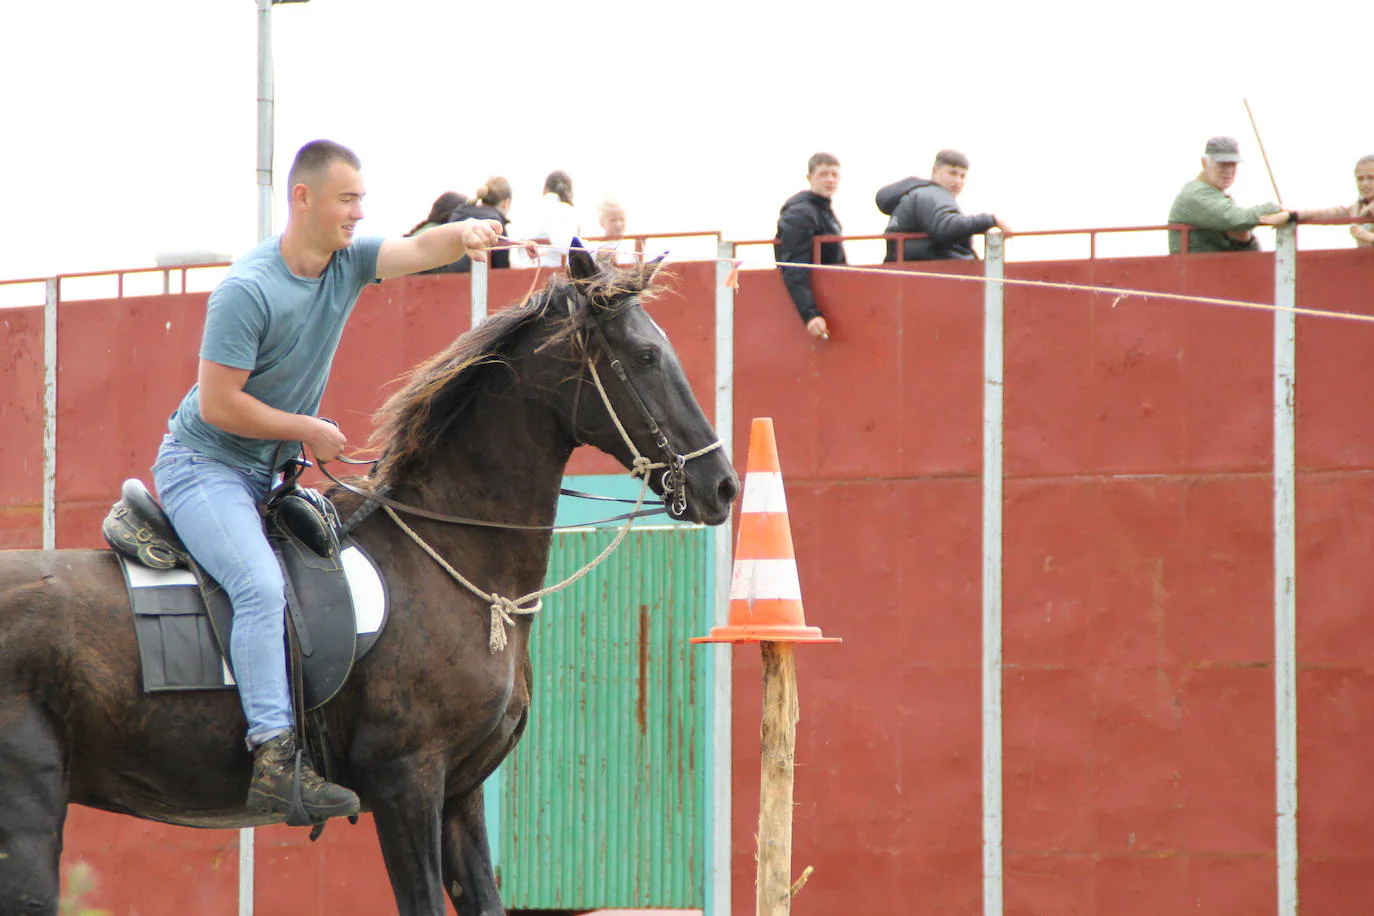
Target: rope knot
641,467
501,610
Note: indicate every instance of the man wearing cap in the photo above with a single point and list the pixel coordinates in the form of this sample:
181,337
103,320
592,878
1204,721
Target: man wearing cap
1220,224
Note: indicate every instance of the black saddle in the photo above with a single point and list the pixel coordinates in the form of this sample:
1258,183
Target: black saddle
302,527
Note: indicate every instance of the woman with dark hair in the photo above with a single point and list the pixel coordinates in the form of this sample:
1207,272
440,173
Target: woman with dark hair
560,184
556,222
439,213
492,201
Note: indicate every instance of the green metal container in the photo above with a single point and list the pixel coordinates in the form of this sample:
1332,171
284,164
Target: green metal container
603,804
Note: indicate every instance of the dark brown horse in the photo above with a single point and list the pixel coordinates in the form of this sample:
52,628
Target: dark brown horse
483,429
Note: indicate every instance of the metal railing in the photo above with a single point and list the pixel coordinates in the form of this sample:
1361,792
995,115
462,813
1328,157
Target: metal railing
1093,235
180,279
175,280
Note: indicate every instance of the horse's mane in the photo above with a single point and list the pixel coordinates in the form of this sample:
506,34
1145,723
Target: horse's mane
412,422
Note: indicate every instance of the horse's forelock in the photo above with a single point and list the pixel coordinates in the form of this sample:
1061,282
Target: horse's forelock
611,290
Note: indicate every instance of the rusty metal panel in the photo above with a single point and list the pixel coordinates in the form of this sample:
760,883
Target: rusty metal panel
21,427
603,800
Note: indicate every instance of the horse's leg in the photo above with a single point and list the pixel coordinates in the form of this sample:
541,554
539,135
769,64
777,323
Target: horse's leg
33,809
406,803
468,873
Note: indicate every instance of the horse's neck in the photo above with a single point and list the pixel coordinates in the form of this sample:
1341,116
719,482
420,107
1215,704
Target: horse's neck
503,461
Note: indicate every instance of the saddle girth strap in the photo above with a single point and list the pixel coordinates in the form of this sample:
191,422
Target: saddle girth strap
293,604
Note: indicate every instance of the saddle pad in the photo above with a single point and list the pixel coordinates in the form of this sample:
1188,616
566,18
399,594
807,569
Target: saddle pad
177,645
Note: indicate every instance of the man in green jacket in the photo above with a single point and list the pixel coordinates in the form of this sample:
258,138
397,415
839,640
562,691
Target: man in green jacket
1220,224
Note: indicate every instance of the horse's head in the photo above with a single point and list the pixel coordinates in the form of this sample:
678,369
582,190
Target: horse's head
602,372
631,398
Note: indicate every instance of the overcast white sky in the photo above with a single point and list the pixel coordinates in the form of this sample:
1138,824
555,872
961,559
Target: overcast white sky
130,126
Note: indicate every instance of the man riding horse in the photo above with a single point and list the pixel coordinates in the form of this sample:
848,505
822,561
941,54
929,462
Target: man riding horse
271,330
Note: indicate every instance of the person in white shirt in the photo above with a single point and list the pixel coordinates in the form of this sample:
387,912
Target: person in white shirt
555,223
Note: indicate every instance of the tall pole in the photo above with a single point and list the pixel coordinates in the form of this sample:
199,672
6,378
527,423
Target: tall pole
1285,568
994,369
265,119
1263,155
777,763
718,887
50,414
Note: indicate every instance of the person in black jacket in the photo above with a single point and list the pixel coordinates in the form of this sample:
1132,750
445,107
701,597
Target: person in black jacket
929,206
491,201
439,212
806,215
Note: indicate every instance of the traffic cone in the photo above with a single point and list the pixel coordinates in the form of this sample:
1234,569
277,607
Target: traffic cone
765,592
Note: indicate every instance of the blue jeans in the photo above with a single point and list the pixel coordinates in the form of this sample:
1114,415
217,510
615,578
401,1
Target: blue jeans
213,507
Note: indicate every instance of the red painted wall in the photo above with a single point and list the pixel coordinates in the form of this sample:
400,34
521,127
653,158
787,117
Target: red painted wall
1138,637
21,428
1139,736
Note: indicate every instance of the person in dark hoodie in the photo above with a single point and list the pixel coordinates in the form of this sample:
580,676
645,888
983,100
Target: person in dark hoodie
491,201
929,206
439,212
806,215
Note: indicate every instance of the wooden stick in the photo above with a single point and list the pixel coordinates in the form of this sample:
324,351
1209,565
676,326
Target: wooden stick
801,882
1263,155
779,747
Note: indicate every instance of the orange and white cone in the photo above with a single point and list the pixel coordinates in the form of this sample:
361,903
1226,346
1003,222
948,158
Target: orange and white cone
765,591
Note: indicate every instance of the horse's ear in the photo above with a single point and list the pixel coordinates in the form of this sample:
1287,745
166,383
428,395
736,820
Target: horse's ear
651,269
581,264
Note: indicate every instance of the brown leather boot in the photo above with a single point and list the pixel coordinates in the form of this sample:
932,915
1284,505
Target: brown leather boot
274,778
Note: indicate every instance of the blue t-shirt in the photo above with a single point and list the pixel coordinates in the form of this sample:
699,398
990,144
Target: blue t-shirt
283,328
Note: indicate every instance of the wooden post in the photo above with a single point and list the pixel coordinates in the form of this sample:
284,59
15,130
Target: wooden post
779,747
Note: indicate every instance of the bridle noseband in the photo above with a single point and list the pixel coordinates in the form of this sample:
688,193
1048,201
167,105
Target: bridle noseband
674,480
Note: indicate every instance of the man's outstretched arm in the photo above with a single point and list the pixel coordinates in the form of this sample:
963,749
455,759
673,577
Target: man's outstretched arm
437,247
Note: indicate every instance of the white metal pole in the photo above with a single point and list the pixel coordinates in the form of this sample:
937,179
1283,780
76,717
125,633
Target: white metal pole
993,305
265,119
480,277
266,139
246,867
718,873
1285,570
50,415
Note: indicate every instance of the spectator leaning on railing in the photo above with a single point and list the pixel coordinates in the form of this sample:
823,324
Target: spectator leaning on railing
439,212
929,206
1363,206
806,215
1220,224
491,202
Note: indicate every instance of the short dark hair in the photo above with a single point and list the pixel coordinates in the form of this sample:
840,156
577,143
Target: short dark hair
315,157
819,159
951,157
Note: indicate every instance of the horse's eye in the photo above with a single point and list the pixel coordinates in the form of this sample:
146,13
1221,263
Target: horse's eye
646,358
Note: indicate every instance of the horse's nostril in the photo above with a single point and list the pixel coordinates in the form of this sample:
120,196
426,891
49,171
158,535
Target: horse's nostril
728,490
